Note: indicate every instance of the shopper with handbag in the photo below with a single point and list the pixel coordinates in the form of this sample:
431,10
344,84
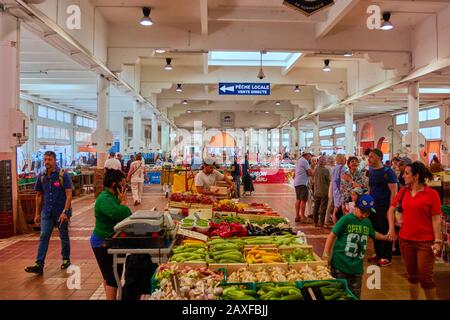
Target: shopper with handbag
137,175
417,208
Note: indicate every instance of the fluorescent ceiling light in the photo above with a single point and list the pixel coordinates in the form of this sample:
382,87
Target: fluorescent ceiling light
160,50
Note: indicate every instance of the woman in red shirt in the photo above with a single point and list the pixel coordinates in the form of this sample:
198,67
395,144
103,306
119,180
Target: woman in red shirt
420,235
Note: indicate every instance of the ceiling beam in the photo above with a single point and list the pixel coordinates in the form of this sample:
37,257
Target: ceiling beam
204,16
335,15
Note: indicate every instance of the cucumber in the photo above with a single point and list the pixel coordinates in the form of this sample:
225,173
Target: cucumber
318,284
297,296
334,296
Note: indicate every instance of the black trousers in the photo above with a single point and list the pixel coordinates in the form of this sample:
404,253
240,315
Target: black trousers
139,270
383,249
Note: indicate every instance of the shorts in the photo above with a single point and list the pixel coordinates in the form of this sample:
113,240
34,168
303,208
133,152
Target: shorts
105,263
301,193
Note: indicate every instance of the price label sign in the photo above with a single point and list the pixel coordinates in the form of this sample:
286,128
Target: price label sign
192,234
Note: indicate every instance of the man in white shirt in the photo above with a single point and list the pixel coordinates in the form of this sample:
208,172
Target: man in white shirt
208,177
112,163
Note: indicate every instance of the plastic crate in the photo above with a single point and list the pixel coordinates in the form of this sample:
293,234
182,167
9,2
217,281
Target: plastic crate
243,285
279,284
301,284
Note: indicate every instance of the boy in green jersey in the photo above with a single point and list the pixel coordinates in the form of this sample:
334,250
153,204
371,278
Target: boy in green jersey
348,239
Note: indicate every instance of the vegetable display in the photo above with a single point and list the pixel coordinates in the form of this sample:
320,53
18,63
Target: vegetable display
225,251
299,255
330,290
189,252
281,291
267,230
238,293
227,230
256,255
193,284
190,198
277,274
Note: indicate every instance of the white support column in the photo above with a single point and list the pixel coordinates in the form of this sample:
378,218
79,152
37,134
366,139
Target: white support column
137,144
294,140
316,137
263,143
102,138
9,96
302,138
165,137
250,140
154,146
413,119
349,137
281,147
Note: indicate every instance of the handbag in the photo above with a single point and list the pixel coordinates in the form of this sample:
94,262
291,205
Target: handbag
131,175
398,213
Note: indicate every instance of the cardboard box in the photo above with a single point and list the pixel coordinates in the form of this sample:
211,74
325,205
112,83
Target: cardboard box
222,191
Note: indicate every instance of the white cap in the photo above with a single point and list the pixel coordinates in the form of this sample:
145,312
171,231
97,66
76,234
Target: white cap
209,161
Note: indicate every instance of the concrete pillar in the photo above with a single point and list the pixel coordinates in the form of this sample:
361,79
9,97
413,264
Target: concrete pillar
137,144
154,146
281,146
263,143
102,138
316,137
413,119
294,140
165,137
302,139
349,137
9,96
250,140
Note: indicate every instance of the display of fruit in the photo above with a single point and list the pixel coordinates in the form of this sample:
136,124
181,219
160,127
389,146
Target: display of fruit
331,290
227,230
256,255
189,197
299,255
235,292
194,283
280,291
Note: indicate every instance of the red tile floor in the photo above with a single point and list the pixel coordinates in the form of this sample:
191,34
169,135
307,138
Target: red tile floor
20,251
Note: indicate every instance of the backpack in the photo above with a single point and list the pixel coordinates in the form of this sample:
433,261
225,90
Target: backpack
60,178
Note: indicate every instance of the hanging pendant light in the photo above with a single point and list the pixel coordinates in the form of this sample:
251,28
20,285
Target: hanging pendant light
386,25
179,89
168,64
261,74
297,89
326,67
146,21
184,102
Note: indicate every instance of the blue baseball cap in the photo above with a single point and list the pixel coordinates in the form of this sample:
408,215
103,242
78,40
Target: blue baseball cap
366,203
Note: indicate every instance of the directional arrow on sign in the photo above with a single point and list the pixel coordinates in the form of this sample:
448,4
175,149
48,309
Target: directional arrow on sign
224,88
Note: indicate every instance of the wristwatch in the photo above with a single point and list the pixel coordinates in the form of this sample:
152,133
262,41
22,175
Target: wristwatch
438,241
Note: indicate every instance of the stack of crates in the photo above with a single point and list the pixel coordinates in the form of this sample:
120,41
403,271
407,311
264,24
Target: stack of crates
6,200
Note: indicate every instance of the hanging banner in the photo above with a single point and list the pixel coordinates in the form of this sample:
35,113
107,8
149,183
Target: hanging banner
308,7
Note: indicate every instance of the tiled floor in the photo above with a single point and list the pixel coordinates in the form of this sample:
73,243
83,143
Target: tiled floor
20,251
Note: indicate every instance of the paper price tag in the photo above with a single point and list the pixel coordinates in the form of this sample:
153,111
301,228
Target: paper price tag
192,234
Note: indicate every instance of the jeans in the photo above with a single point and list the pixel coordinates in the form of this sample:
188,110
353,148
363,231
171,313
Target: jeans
237,181
47,225
383,249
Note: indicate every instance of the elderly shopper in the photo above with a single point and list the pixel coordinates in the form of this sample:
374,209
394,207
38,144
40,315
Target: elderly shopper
321,186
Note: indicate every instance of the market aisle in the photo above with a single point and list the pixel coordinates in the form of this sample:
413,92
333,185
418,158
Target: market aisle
17,252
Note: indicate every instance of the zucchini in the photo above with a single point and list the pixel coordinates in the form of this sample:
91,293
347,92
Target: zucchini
297,296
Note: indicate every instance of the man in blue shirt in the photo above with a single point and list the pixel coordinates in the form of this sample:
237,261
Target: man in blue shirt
53,209
383,185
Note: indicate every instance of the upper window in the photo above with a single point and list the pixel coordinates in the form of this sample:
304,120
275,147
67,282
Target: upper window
431,132
339,130
429,114
326,143
309,135
401,119
326,132
42,112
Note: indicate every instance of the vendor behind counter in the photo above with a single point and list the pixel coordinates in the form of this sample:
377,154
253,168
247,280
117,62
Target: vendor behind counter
209,176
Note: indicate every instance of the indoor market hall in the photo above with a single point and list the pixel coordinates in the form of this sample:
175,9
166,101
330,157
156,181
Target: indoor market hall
209,150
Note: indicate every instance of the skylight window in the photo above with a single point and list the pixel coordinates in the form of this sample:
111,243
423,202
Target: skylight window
252,59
